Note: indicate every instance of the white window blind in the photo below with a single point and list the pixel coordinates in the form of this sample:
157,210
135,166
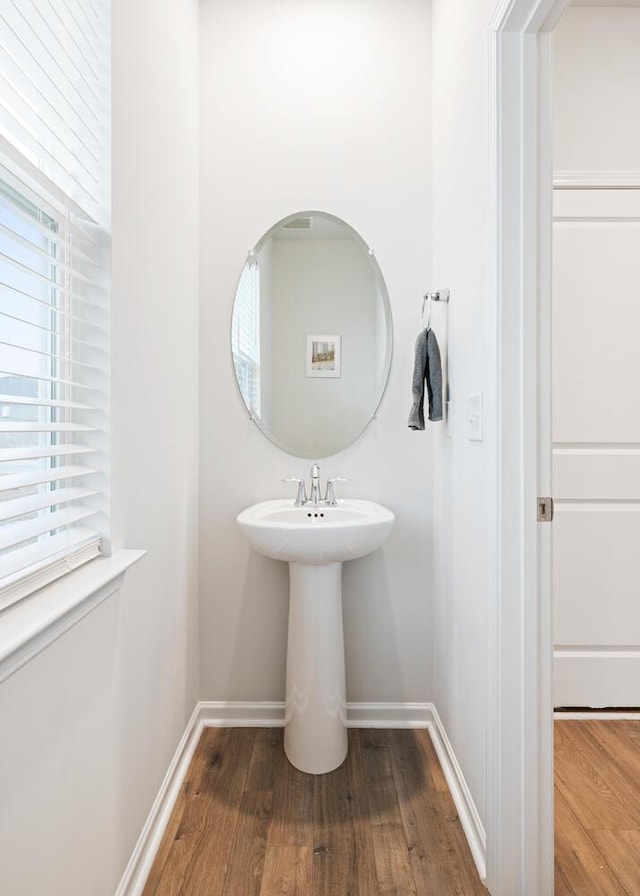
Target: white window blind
54,96
246,335
54,254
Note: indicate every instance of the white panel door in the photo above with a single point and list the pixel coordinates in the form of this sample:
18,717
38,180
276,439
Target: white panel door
596,447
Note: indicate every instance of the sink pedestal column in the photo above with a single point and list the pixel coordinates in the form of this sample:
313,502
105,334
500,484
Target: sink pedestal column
315,734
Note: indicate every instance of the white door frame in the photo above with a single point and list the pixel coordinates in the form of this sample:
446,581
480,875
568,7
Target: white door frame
520,726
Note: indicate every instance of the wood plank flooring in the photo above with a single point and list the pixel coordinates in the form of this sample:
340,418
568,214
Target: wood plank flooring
247,823
597,808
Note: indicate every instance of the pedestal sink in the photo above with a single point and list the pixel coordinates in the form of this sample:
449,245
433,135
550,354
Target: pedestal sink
315,541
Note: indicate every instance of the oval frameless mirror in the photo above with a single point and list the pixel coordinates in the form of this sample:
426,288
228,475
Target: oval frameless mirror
311,335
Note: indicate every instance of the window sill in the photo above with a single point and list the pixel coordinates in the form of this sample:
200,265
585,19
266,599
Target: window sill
29,626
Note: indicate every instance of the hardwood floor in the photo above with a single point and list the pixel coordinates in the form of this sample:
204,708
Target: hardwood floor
597,807
247,823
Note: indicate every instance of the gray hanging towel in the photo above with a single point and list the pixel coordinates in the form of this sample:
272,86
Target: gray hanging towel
427,369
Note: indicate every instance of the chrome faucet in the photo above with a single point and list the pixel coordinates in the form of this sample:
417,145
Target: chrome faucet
329,499
315,484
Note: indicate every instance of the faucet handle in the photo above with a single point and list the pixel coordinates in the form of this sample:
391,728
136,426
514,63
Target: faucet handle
330,497
301,496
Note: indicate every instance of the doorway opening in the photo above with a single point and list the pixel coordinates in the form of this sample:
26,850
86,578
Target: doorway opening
521,726
596,449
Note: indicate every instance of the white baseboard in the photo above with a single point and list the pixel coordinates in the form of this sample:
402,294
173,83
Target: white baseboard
139,866
596,677
225,714
271,715
388,715
209,714
586,715
467,812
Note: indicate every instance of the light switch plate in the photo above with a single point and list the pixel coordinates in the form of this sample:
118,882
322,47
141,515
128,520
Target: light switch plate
475,417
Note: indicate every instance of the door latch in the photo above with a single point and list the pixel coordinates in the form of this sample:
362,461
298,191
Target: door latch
545,510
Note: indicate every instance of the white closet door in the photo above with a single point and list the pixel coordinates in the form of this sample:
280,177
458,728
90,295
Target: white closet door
596,447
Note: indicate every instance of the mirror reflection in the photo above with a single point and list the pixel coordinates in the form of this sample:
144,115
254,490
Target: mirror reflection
311,335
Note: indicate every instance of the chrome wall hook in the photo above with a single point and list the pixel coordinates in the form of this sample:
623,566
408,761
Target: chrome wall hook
440,295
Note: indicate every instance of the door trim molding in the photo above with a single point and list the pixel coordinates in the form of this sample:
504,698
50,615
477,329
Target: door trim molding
519,749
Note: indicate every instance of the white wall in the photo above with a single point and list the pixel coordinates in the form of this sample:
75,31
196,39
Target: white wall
463,558
90,725
314,105
462,123
596,90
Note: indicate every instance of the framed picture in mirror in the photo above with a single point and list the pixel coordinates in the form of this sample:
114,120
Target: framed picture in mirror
324,355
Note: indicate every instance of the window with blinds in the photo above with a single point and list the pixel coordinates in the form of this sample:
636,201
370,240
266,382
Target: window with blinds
54,262
246,335
54,98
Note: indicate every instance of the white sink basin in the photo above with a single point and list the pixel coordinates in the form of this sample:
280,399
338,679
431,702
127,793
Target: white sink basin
316,535
315,541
